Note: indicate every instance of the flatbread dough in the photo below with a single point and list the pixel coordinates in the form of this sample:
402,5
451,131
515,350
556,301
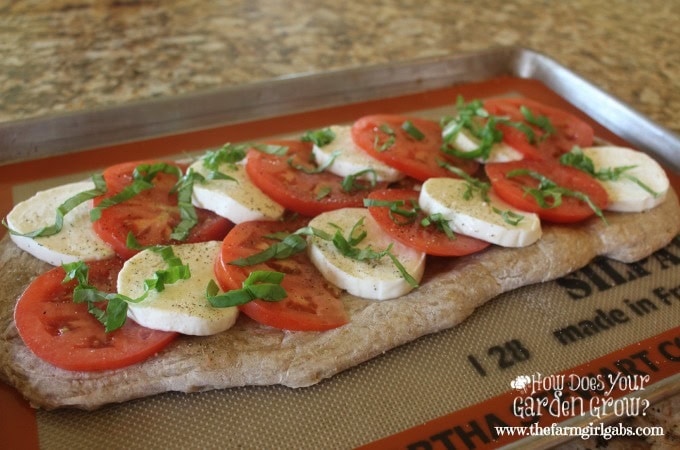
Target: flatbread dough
252,354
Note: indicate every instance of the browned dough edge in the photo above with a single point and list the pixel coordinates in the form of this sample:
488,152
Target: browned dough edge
251,354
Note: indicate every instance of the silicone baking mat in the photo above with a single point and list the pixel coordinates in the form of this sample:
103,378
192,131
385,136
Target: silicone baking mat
448,388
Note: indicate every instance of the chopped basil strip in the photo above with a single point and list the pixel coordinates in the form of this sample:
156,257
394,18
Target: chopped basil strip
354,240
323,192
524,128
269,149
642,185
142,176
509,217
114,316
577,159
395,207
116,310
541,122
469,118
69,205
402,270
294,243
351,183
187,211
184,189
386,145
390,140
549,195
389,203
440,222
412,131
319,137
176,270
475,185
317,169
260,285
132,243
475,120
347,247
311,231
228,154
278,236
289,245
127,193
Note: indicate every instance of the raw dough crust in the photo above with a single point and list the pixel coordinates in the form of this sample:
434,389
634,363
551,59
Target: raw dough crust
251,354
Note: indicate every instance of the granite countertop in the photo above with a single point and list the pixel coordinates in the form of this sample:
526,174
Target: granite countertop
68,55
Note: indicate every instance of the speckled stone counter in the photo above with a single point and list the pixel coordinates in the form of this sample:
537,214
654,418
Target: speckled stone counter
69,55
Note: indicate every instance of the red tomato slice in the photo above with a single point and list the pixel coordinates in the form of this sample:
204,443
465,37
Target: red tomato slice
425,239
312,303
571,210
569,129
150,215
416,158
64,334
307,194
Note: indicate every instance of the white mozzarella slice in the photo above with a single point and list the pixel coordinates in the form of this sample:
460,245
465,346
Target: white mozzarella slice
239,201
76,241
351,159
500,152
475,217
375,280
181,306
625,195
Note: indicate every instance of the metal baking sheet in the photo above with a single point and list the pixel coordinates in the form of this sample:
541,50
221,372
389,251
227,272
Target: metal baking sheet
75,132
35,138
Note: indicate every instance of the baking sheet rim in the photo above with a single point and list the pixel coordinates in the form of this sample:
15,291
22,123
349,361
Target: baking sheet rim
75,131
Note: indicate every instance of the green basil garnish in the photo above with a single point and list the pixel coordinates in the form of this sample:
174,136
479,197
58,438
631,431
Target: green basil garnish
69,205
549,195
294,243
577,159
260,285
509,217
348,247
319,137
469,119
474,119
228,154
388,143
317,169
187,211
324,191
289,246
142,176
269,149
440,222
116,310
474,185
395,207
412,131
351,182
541,122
